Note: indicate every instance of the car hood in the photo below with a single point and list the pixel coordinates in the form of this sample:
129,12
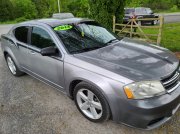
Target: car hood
133,59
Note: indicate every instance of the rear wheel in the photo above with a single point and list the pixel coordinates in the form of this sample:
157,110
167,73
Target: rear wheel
139,23
153,22
12,66
91,103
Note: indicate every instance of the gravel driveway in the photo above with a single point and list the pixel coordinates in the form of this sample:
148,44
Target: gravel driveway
28,106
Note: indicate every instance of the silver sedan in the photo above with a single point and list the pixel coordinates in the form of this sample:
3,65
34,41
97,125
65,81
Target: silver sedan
128,81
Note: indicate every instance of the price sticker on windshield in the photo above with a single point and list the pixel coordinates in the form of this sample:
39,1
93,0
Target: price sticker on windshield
63,27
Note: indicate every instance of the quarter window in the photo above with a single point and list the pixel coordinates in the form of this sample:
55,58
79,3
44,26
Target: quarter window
21,34
40,38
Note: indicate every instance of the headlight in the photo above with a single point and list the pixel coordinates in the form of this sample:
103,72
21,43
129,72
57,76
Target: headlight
144,89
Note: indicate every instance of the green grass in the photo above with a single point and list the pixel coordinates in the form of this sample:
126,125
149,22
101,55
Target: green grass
170,36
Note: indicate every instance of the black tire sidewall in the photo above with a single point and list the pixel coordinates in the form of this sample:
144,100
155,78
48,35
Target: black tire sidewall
153,23
106,110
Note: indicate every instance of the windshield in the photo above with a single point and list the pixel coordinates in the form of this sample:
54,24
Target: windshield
84,37
129,10
141,11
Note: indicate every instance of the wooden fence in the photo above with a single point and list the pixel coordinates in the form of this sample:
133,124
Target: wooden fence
133,28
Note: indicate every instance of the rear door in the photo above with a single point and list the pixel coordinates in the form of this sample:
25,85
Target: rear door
46,68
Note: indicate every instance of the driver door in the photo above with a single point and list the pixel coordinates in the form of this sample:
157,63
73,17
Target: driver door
46,68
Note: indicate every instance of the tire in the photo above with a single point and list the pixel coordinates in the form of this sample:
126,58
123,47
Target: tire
139,23
97,99
12,66
153,23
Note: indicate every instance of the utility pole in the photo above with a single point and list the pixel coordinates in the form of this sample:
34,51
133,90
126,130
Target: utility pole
59,6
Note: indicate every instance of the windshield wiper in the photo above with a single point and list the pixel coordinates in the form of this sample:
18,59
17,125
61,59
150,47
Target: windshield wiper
111,41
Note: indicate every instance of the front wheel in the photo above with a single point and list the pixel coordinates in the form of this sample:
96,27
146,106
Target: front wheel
91,103
12,66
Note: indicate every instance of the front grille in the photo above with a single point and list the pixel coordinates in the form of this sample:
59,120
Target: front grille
172,82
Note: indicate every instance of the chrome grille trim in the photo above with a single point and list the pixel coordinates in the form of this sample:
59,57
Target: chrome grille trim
171,83
176,76
172,89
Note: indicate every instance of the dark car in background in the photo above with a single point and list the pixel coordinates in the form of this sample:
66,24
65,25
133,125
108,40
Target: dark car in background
140,13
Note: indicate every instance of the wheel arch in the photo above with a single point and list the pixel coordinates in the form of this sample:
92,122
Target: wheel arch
75,82
7,51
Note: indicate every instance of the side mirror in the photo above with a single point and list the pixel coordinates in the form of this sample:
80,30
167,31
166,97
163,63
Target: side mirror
49,51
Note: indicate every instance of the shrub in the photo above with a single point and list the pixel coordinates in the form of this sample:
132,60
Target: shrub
6,10
45,8
25,8
103,10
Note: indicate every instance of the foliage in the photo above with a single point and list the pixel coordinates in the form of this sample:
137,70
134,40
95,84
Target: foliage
45,8
135,3
79,8
24,8
6,10
176,2
160,5
103,10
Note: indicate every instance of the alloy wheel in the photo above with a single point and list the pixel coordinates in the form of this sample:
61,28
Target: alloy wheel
89,104
11,65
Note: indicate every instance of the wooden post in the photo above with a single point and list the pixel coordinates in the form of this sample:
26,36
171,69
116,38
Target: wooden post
141,30
114,23
161,18
131,29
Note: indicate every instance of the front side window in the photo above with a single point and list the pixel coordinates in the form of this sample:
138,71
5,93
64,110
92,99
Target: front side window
40,38
84,37
21,34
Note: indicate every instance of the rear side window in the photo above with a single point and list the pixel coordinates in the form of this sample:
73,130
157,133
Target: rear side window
21,34
40,38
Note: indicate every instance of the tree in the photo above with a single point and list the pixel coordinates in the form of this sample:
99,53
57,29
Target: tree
154,4
79,8
24,8
6,10
103,10
177,3
158,5
45,8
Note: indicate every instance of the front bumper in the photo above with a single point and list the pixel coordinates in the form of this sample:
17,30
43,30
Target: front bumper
148,113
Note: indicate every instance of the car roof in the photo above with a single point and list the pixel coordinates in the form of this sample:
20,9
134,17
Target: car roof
56,22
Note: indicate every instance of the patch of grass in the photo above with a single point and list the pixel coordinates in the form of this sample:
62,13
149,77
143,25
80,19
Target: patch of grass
170,36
